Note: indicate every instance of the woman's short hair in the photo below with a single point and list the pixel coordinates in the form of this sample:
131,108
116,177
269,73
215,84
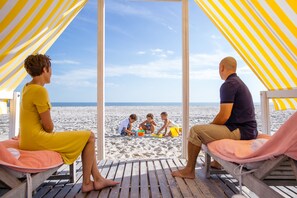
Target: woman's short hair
34,64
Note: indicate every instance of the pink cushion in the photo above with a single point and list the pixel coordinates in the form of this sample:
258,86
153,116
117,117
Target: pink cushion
29,161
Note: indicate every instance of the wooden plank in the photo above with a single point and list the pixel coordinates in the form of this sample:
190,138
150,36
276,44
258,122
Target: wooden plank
153,182
171,181
190,182
235,184
217,187
225,189
280,192
104,167
135,180
286,191
56,185
76,187
115,191
180,182
165,191
293,164
125,186
9,179
144,187
37,179
256,185
293,189
268,166
68,186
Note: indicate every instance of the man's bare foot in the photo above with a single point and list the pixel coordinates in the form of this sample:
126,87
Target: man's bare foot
184,173
214,164
87,187
104,183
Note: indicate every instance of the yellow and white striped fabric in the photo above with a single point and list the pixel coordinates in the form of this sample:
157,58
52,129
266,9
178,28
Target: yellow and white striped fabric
264,33
27,27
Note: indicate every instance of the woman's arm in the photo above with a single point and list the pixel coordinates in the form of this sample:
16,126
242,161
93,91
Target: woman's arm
46,121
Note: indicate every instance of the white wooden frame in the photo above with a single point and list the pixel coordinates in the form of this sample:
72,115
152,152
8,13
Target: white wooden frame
101,77
265,96
14,111
101,82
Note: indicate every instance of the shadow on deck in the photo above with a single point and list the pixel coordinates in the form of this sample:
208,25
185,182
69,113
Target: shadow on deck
150,178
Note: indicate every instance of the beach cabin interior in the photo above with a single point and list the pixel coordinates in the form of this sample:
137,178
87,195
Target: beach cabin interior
264,33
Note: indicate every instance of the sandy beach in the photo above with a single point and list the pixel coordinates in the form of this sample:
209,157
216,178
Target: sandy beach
118,147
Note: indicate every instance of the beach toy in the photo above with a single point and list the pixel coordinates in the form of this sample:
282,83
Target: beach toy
141,132
174,131
158,136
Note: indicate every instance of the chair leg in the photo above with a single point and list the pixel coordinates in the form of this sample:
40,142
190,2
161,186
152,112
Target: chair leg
72,171
207,165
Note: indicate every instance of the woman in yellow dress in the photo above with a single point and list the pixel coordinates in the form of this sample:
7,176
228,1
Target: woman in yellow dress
36,126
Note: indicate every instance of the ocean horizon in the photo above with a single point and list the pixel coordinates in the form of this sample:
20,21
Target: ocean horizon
108,104
90,104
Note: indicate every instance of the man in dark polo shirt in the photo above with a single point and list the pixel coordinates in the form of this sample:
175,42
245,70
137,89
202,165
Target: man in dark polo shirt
236,119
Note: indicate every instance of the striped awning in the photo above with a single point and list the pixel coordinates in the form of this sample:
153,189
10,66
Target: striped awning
28,27
264,33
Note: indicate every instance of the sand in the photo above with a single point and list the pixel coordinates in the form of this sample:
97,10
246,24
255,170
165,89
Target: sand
118,147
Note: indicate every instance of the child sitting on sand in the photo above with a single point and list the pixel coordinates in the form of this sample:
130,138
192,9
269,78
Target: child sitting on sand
149,124
126,125
167,124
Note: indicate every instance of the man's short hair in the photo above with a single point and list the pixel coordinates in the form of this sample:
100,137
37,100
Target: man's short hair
133,117
150,115
164,113
34,64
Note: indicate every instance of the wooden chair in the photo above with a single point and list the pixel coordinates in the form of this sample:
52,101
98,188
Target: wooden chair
281,171
20,184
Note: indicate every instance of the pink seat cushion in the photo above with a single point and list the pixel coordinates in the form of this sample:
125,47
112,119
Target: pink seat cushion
29,161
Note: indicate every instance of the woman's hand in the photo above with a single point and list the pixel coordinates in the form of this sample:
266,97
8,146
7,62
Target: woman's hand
46,121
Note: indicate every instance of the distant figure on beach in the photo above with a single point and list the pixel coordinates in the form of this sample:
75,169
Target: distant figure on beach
235,120
36,126
167,125
149,124
126,125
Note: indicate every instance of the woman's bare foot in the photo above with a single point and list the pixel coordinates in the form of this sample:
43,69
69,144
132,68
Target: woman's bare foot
104,183
87,187
184,173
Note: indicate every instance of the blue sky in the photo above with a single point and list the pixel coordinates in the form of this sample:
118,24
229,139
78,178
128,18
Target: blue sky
143,55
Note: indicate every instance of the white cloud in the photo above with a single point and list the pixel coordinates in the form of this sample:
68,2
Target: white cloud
215,37
77,78
118,30
203,66
86,19
158,52
128,8
65,62
141,52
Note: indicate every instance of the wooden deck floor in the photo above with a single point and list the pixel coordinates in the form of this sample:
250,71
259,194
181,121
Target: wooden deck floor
150,178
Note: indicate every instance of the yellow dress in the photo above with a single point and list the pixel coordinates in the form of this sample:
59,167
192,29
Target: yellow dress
69,144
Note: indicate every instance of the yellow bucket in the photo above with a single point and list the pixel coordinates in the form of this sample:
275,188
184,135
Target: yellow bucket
175,131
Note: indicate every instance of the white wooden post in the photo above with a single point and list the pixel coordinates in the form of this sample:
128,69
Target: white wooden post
265,96
265,117
100,83
14,115
185,76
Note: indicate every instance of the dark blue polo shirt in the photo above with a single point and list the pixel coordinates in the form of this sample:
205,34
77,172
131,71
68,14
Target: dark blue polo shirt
233,90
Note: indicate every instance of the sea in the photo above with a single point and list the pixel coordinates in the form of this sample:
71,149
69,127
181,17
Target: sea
91,104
